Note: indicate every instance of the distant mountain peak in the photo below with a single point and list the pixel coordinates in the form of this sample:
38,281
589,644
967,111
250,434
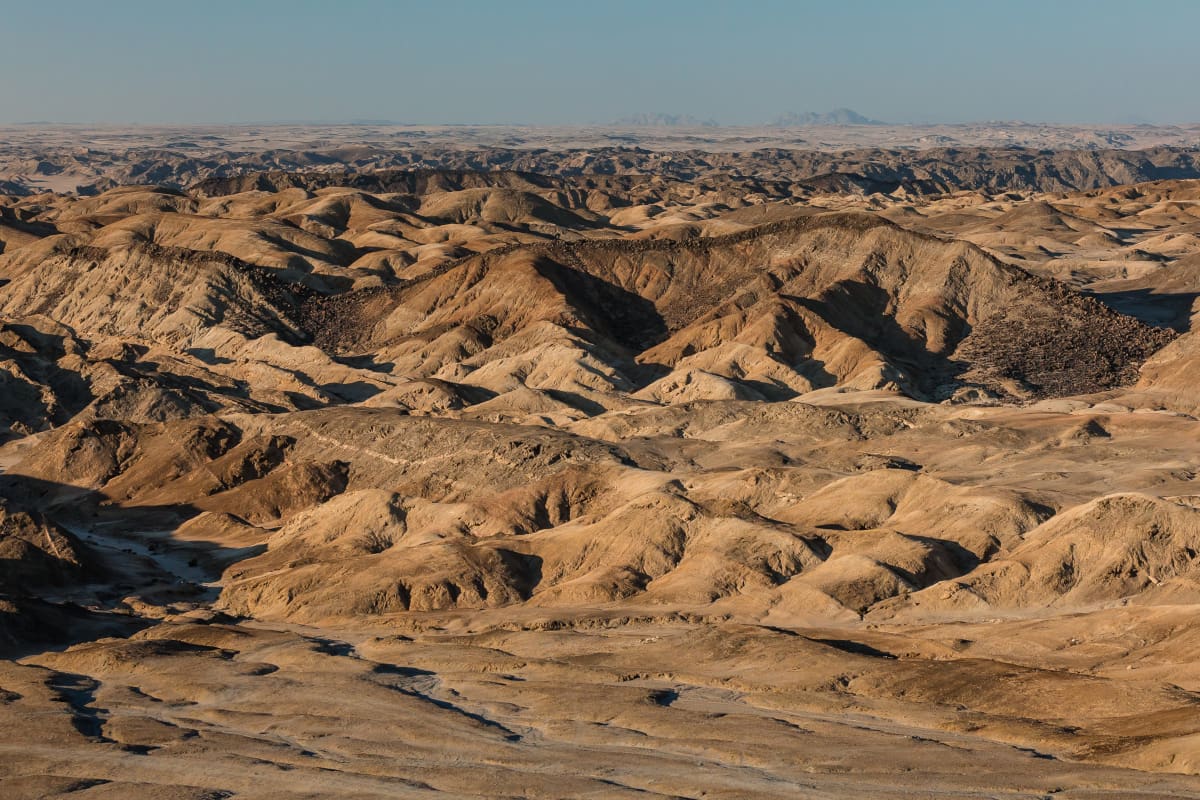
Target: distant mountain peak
658,119
838,116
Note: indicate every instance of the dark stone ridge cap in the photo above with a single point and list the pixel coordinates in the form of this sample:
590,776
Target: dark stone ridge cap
373,180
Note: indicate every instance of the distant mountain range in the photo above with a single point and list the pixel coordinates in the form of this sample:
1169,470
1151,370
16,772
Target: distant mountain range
839,116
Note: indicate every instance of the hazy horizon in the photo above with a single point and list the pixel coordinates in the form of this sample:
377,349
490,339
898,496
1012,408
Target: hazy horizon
616,123
537,63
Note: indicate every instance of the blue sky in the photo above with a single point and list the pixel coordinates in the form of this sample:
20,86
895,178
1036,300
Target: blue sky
572,61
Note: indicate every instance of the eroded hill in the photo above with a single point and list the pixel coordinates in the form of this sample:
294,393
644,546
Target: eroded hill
499,483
